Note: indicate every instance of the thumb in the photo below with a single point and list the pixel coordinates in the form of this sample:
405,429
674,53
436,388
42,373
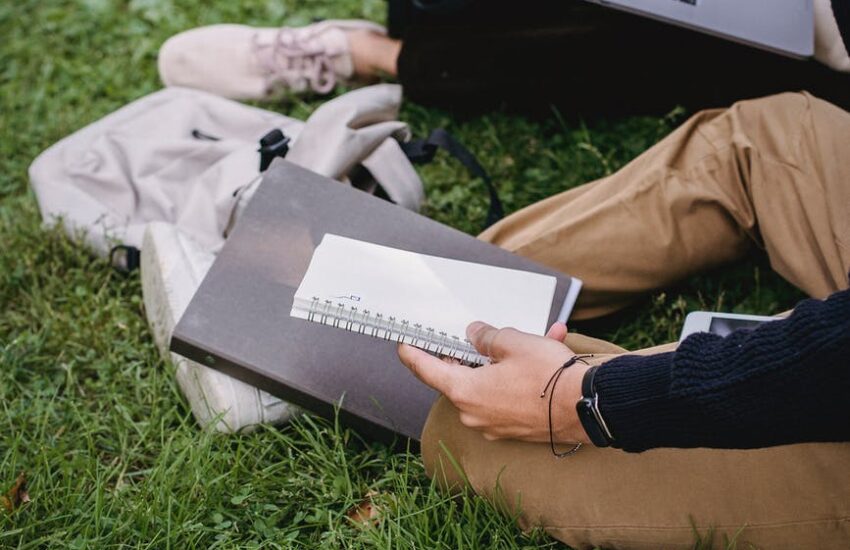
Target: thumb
481,336
434,372
558,331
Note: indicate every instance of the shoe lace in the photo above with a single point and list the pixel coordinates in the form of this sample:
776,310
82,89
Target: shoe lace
292,60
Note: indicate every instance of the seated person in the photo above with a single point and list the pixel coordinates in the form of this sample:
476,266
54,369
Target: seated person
768,174
471,55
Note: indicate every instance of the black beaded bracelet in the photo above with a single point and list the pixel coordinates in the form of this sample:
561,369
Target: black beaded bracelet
553,381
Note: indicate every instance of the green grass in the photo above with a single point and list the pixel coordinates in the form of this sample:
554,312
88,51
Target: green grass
93,414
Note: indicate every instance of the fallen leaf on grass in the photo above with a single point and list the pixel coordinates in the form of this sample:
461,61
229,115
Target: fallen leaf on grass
17,495
367,513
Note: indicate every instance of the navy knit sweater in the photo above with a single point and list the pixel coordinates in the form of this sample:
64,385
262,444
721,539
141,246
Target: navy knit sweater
787,381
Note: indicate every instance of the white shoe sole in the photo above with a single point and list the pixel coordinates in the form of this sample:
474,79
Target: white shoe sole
173,266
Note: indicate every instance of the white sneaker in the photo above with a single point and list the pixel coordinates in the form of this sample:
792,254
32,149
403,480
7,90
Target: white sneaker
242,62
173,266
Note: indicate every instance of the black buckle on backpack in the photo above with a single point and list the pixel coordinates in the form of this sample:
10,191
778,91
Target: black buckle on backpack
272,145
125,258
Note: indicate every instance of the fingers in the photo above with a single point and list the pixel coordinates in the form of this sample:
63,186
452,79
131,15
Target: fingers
438,374
558,331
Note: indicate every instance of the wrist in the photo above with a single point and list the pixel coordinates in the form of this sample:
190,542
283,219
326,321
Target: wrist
635,400
569,428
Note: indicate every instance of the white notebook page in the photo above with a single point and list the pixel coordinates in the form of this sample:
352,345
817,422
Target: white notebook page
435,293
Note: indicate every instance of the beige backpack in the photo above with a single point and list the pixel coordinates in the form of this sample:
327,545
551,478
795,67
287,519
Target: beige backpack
192,159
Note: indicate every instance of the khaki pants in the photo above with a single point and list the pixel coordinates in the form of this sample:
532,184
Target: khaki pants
772,173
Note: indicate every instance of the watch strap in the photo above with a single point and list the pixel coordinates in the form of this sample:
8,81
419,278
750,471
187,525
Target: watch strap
587,389
588,411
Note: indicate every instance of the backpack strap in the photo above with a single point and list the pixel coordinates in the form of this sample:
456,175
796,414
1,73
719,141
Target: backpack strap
421,151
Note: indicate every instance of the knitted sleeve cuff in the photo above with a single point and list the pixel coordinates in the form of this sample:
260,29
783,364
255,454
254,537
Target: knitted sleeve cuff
750,389
634,399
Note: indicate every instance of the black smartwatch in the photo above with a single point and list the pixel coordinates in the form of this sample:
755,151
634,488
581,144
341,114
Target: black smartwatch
588,412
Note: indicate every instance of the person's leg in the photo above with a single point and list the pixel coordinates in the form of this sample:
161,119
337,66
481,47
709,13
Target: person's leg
588,59
765,172
783,497
373,54
579,57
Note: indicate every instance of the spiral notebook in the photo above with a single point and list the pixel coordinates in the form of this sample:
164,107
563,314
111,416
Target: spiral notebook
418,299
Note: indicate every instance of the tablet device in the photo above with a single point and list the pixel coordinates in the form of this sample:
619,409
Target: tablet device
721,324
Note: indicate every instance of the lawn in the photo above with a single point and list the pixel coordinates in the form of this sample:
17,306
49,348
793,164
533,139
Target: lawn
92,413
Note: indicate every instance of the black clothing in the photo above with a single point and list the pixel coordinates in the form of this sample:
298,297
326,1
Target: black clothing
787,381
584,59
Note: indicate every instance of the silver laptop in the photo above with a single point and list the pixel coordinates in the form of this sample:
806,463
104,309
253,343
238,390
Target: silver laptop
783,26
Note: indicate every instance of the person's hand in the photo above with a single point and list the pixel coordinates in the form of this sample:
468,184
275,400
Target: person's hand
502,398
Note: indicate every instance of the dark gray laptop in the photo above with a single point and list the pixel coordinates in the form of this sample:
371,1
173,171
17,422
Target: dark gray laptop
783,26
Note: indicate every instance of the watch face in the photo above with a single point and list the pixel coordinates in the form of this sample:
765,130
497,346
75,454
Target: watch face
584,408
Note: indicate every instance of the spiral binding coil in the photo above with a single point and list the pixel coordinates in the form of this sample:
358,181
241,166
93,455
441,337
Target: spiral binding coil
376,325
